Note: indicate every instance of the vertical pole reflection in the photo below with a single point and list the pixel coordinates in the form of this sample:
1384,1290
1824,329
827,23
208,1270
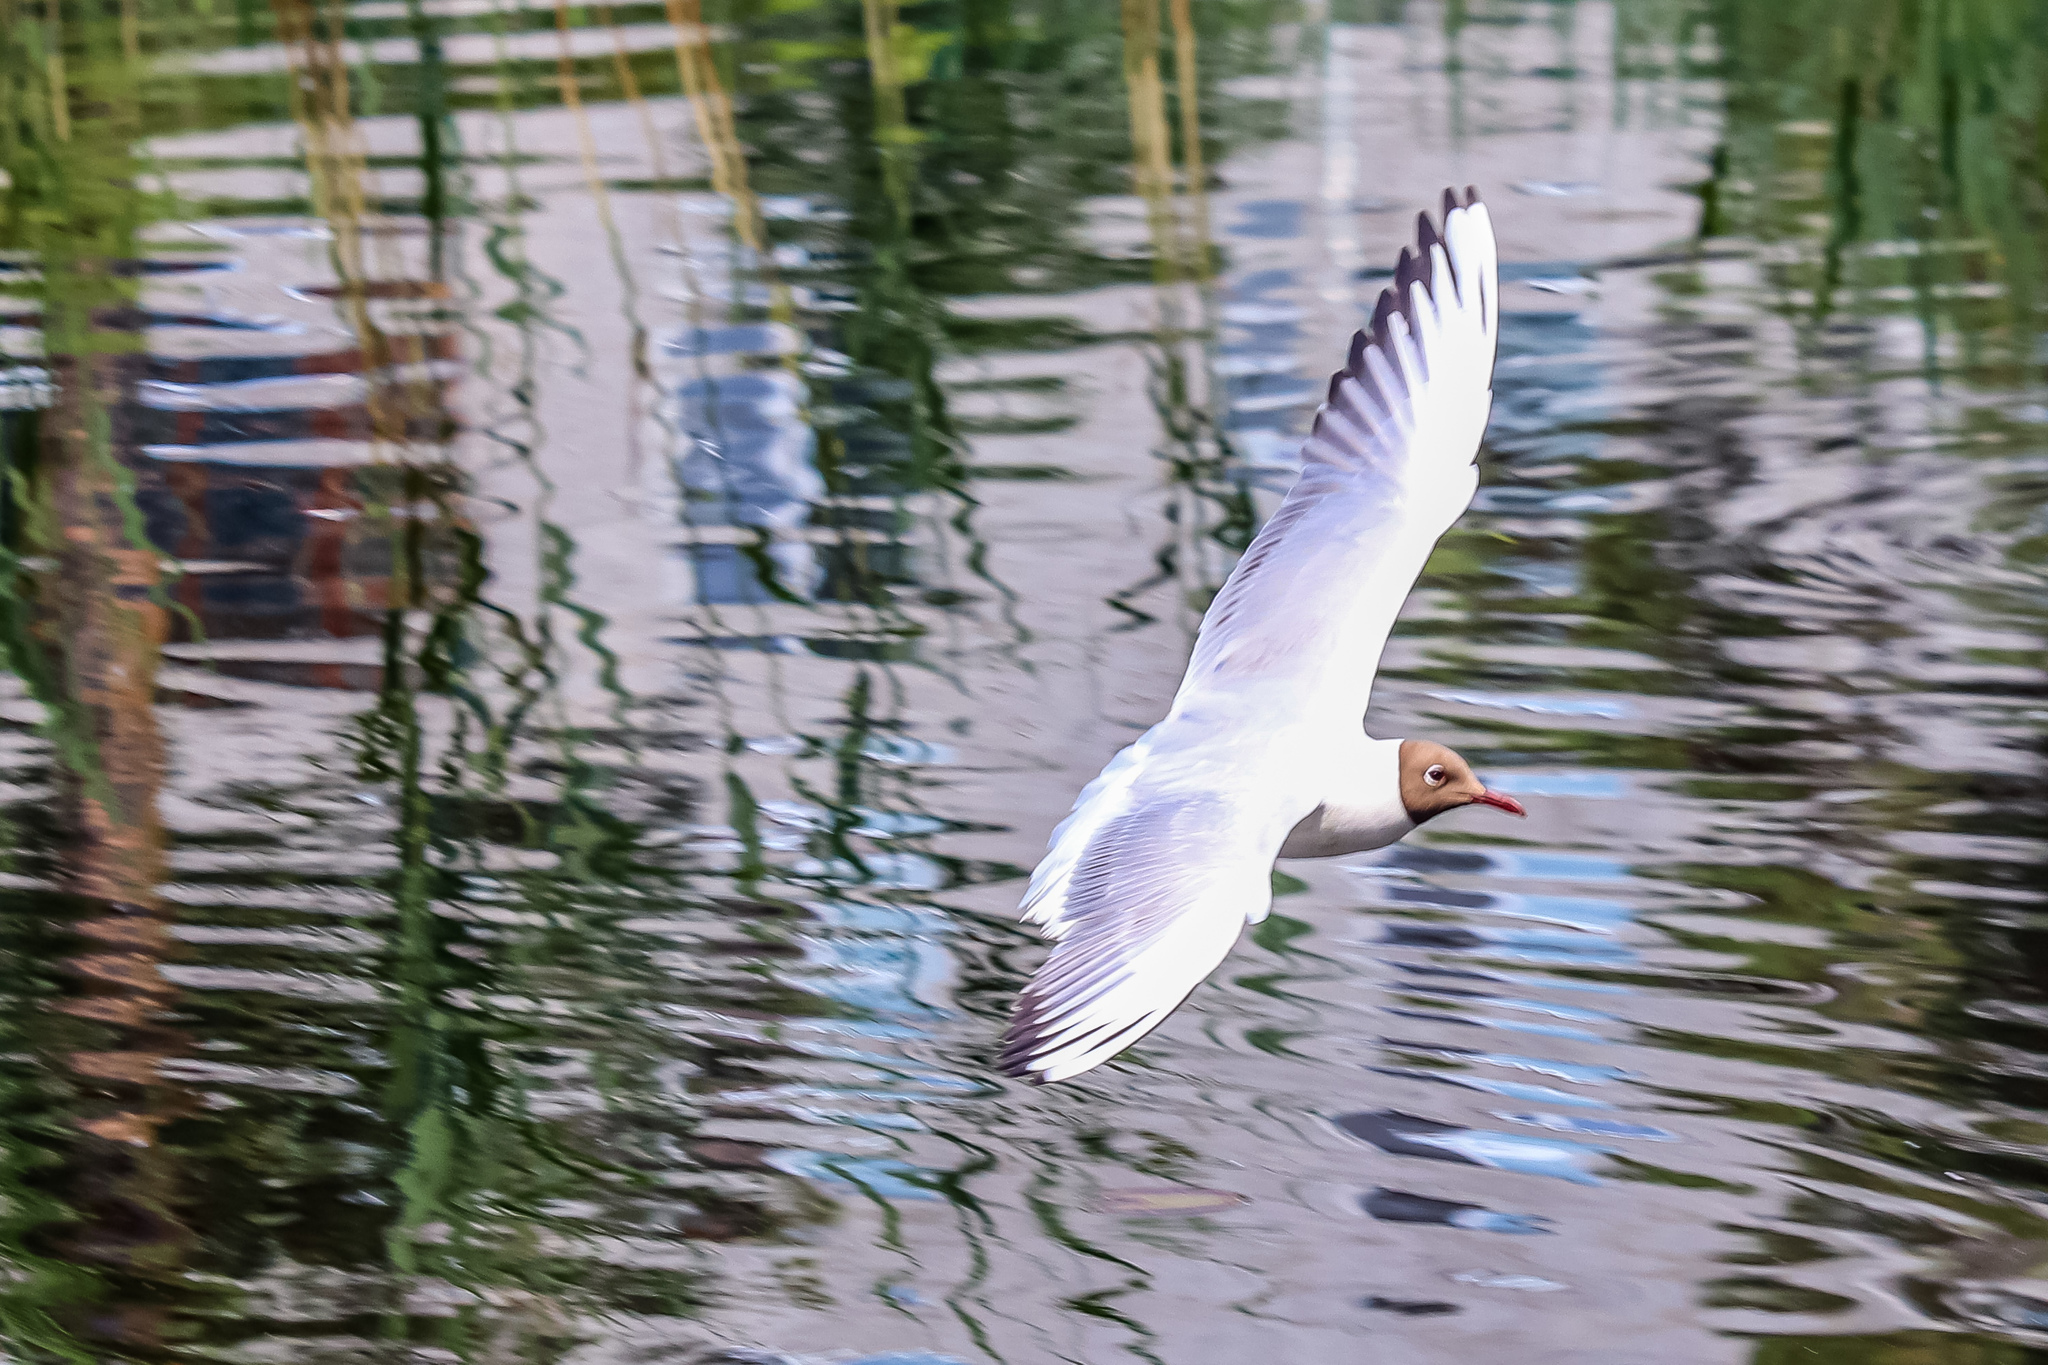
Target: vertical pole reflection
95,1241
1210,514
100,622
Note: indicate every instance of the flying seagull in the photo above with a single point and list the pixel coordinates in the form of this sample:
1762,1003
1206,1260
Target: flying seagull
1169,853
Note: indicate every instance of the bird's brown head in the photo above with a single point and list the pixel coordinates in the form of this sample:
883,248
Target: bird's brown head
1434,779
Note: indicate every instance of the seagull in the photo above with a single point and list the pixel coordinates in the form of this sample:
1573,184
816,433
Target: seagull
1168,854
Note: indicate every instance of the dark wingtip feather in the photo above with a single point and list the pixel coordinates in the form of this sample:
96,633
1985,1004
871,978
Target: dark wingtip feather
1426,235
1023,1041
1409,272
1414,269
1384,309
1017,1063
1018,1068
1452,203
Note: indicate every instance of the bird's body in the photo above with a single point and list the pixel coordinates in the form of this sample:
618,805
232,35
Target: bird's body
1168,853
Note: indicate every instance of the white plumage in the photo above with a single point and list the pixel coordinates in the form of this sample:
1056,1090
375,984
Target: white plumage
1168,854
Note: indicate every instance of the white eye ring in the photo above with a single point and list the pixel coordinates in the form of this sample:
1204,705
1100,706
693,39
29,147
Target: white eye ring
1433,775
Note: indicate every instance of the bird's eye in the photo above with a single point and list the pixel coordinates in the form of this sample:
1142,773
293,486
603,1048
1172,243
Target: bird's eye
1434,774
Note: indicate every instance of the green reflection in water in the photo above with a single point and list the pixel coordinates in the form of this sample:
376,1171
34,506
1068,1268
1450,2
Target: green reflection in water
458,1103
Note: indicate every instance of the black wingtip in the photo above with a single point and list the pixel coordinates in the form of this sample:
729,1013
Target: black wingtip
1415,266
1021,1042
1426,234
1452,204
1409,271
1354,360
1017,1070
1383,310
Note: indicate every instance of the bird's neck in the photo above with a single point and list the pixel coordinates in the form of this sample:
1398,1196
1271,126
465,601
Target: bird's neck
1360,805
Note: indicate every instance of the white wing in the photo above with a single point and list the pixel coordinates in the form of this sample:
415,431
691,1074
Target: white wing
1385,471
1167,854
1153,908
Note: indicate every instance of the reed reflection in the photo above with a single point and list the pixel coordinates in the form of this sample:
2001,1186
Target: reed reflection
396,1149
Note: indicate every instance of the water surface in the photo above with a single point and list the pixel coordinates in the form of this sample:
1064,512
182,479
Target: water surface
561,562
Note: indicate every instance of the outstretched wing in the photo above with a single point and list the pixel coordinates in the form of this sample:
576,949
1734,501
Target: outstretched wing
1385,471
1167,854
1153,905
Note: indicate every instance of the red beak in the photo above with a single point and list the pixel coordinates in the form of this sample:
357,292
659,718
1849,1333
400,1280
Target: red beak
1499,802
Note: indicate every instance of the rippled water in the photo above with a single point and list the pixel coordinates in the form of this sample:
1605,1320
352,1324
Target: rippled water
562,562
